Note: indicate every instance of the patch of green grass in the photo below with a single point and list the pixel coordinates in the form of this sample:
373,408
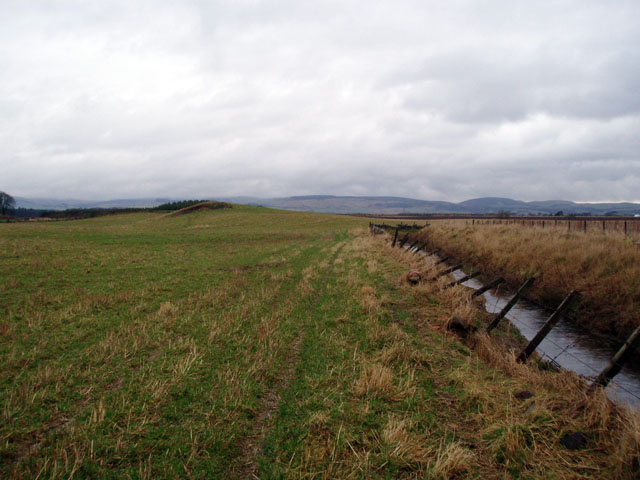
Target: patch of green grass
246,342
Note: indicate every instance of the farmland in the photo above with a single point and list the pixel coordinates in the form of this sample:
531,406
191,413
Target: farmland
248,342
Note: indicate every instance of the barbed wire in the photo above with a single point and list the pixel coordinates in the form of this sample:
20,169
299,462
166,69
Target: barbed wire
619,385
565,351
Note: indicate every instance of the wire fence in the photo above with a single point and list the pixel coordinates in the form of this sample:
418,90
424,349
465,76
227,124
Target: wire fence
590,372
566,350
512,316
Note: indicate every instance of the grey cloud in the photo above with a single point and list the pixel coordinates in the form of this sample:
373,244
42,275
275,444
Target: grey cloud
432,100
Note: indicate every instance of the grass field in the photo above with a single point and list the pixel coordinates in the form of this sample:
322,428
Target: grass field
248,342
604,268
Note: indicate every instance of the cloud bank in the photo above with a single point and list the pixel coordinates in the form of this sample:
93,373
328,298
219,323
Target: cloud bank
531,100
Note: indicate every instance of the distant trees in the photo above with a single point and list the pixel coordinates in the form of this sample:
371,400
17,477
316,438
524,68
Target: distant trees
172,206
7,203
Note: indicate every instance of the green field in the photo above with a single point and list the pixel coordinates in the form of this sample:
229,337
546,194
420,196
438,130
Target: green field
249,342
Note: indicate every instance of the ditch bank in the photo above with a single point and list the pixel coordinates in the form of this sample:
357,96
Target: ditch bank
566,345
605,269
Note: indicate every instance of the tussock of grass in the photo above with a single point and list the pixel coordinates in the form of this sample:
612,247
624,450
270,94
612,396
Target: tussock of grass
375,379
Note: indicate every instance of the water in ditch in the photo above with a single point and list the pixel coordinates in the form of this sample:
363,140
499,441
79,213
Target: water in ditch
568,345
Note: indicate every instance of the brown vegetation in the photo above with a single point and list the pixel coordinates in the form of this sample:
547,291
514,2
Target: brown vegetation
519,433
605,269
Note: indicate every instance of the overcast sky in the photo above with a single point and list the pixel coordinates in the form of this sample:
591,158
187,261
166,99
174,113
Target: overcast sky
435,100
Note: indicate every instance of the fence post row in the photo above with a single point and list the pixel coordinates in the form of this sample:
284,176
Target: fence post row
525,286
618,360
546,328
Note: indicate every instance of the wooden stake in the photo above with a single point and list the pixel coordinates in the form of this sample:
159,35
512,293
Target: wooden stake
464,279
488,286
395,237
618,360
525,286
546,328
448,271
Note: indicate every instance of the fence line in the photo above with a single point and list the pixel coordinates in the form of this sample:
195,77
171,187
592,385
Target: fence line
602,378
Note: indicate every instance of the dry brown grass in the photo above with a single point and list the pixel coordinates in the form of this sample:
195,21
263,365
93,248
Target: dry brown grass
375,379
605,269
521,436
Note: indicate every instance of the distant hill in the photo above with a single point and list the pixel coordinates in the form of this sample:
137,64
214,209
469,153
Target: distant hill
352,204
392,205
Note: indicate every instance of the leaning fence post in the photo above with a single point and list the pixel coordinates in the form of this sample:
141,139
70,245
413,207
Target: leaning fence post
546,328
395,237
448,271
404,240
525,286
618,360
463,279
420,247
488,286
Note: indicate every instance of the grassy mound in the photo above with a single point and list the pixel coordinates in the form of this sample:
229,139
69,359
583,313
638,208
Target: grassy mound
212,205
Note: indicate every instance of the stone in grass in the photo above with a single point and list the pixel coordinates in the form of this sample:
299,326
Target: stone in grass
523,395
414,277
574,441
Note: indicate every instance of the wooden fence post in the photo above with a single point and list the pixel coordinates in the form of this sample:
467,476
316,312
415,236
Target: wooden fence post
448,271
618,360
488,286
404,240
525,286
546,328
395,238
463,279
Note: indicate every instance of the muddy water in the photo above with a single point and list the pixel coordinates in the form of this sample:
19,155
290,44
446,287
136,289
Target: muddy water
567,345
